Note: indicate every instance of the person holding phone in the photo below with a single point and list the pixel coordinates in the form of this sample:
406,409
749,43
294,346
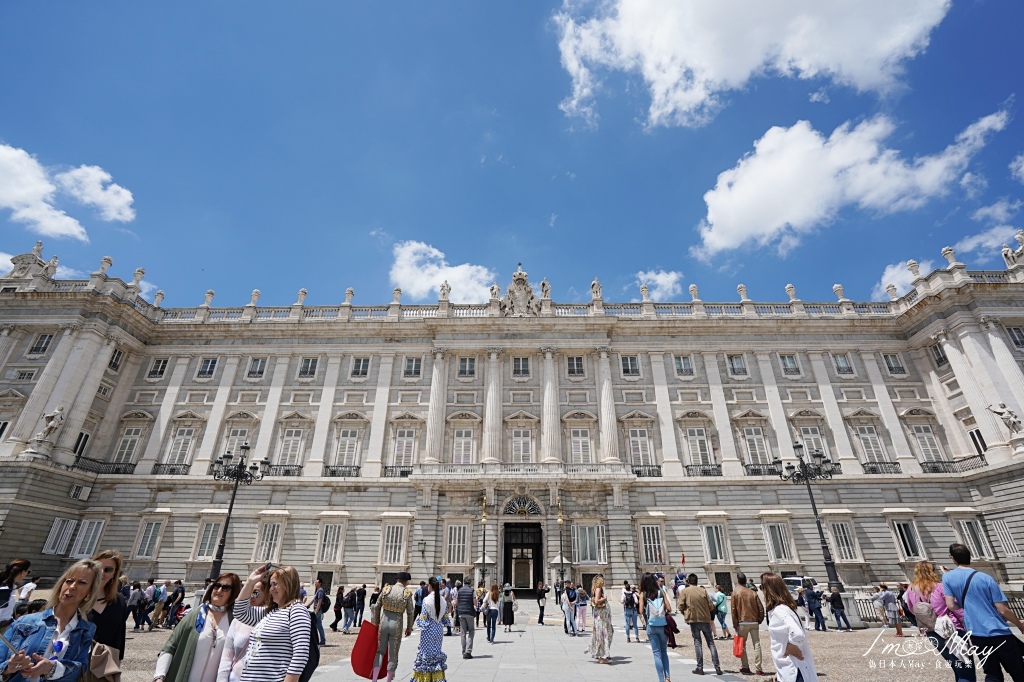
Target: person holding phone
54,643
236,643
279,644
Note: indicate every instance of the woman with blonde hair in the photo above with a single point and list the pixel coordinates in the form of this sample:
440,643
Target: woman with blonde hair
601,634
279,645
790,649
110,611
926,590
54,643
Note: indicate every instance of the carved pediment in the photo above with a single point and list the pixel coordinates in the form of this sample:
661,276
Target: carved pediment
636,416
464,416
351,416
521,416
580,415
189,415
750,414
917,412
806,414
242,416
862,413
10,395
295,417
695,414
137,415
407,416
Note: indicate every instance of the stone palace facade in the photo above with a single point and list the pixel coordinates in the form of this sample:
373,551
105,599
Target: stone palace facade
652,428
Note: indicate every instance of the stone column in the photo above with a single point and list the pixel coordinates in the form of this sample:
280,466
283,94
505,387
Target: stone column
988,374
776,412
958,442
151,456
606,407
379,421
833,415
80,398
550,418
975,397
263,440
904,455
9,337
670,464
731,464
109,428
35,406
1004,360
437,406
492,408
318,454
207,448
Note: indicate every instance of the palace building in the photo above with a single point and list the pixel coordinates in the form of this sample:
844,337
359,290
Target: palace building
520,437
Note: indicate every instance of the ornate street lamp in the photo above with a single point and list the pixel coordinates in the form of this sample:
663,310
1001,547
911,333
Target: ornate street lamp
818,469
226,470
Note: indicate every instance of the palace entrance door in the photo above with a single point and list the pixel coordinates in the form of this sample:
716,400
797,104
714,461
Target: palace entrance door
523,560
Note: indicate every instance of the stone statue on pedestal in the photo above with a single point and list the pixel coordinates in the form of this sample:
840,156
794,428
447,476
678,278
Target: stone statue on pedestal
1008,417
53,422
446,289
595,289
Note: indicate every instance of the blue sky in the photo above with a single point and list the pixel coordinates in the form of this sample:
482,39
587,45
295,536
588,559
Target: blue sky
233,146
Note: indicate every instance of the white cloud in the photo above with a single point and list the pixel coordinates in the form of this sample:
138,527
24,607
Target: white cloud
999,212
6,266
93,186
419,269
552,219
900,276
796,180
663,285
26,190
690,54
991,239
64,272
1017,168
819,96
973,184
146,290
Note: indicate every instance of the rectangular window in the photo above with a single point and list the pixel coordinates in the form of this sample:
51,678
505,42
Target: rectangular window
88,537
776,537
81,444
307,368
939,355
973,535
413,368
737,367
697,441
467,367
684,366
843,543
348,447
455,551
926,440
115,359
1005,538
522,446
714,543
650,536
181,446
462,447
394,541
520,367
574,365
589,544
630,366
640,448
579,440
330,543
873,451
60,536
148,540
813,442
157,369
129,444
360,367
1016,335
757,449
842,362
789,365
270,538
41,344
893,363
207,366
291,447
3,428
978,440
25,375
103,391
237,437
257,368
907,539
209,536
405,446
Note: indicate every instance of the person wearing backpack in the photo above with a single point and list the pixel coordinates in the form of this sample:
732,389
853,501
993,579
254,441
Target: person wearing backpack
656,605
630,602
350,610
835,600
319,598
927,600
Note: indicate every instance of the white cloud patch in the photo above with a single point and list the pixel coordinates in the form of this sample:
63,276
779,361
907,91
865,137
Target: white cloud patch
796,180
1017,168
64,272
989,242
999,212
6,266
146,290
899,275
552,219
689,54
663,285
419,269
973,184
819,96
29,191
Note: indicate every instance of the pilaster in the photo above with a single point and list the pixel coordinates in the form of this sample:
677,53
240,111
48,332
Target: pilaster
833,415
492,408
205,454
671,466
775,410
164,415
80,396
731,464
550,422
1005,361
937,395
891,420
319,455
606,406
436,406
379,422
265,436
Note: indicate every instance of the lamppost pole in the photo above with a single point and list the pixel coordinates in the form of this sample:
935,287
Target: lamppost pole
805,472
224,470
561,547
483,554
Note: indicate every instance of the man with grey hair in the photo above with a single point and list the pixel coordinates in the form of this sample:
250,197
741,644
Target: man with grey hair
465,610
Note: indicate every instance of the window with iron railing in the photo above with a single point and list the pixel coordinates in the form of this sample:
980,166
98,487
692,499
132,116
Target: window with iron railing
574,366
684,366
157,369
41,344
257,368
520,367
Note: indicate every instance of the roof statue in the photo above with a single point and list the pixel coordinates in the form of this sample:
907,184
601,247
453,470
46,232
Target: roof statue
519,300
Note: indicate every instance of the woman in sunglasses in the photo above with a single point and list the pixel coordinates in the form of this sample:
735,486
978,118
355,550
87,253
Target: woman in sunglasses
110,611
232,659
194,649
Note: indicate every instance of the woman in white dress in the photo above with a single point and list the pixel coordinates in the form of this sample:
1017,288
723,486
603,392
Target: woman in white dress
232,658
790,649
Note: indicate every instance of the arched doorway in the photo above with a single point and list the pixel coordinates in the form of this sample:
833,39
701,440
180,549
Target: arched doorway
523,544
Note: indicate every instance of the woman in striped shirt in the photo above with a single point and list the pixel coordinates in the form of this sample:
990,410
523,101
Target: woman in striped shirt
279,644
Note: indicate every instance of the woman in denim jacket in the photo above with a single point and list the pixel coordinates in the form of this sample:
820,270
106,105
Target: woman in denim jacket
54,644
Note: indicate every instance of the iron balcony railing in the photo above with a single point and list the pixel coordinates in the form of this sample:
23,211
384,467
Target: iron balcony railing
284,470
397,472
703,469
647,470
341,471
171,469
882,467
762,469
97,467
955,466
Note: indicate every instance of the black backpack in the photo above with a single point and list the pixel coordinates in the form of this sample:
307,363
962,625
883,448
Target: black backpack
314,653
325,604
628,601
